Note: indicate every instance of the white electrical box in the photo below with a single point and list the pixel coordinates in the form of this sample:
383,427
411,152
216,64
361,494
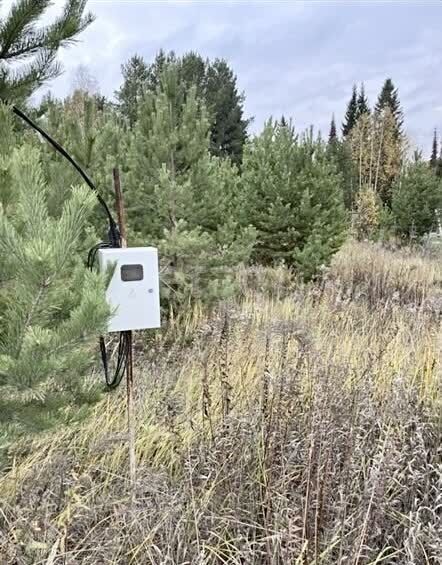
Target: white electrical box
133,291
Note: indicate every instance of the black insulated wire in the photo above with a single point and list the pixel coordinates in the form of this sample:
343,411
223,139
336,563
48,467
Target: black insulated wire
112,381
113,227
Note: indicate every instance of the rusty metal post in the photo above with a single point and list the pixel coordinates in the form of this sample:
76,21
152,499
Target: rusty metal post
119,203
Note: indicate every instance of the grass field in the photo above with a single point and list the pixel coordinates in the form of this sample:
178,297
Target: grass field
295,425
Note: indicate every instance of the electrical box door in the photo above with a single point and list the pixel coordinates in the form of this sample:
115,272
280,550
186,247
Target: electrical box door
133,291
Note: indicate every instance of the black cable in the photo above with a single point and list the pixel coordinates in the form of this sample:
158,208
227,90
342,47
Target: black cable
123,351
93,253
114,241
114,232
123,342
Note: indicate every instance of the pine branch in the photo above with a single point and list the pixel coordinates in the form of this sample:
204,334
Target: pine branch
20,39
22,82
71,23
27,42
19,23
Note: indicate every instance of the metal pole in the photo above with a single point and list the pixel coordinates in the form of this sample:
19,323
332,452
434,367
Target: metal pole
119,203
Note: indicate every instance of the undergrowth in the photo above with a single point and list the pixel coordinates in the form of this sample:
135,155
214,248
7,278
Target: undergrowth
296,425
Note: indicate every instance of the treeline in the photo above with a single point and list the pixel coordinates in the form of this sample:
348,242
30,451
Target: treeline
195,184
388,193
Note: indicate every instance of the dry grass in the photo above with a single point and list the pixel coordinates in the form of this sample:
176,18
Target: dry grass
298,425
380,275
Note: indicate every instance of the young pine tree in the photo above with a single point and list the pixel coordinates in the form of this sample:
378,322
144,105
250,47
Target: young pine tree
96,139
51,307
181,197
215,84
339,153
416,197
292,195
24,40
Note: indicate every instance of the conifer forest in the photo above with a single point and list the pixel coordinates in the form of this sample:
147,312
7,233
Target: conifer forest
288,410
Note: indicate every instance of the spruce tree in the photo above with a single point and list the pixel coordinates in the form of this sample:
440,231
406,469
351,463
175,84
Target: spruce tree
292,195
439,164
416,197
389,99
51,306
332,136
434,159
351,115
24,40
362,103
225,104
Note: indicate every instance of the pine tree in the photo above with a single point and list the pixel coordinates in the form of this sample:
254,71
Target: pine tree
389,99
135,80
95,136
416,197
22,39
51,307
340,154
332,136
193,72
351,114
362,103
161,62
181,197
215,84
292,195
434,152
140,78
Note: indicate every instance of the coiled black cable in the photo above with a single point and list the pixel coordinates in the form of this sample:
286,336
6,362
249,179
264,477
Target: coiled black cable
123,338
112,381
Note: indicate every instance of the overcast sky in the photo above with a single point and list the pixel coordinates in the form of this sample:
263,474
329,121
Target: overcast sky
294,58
